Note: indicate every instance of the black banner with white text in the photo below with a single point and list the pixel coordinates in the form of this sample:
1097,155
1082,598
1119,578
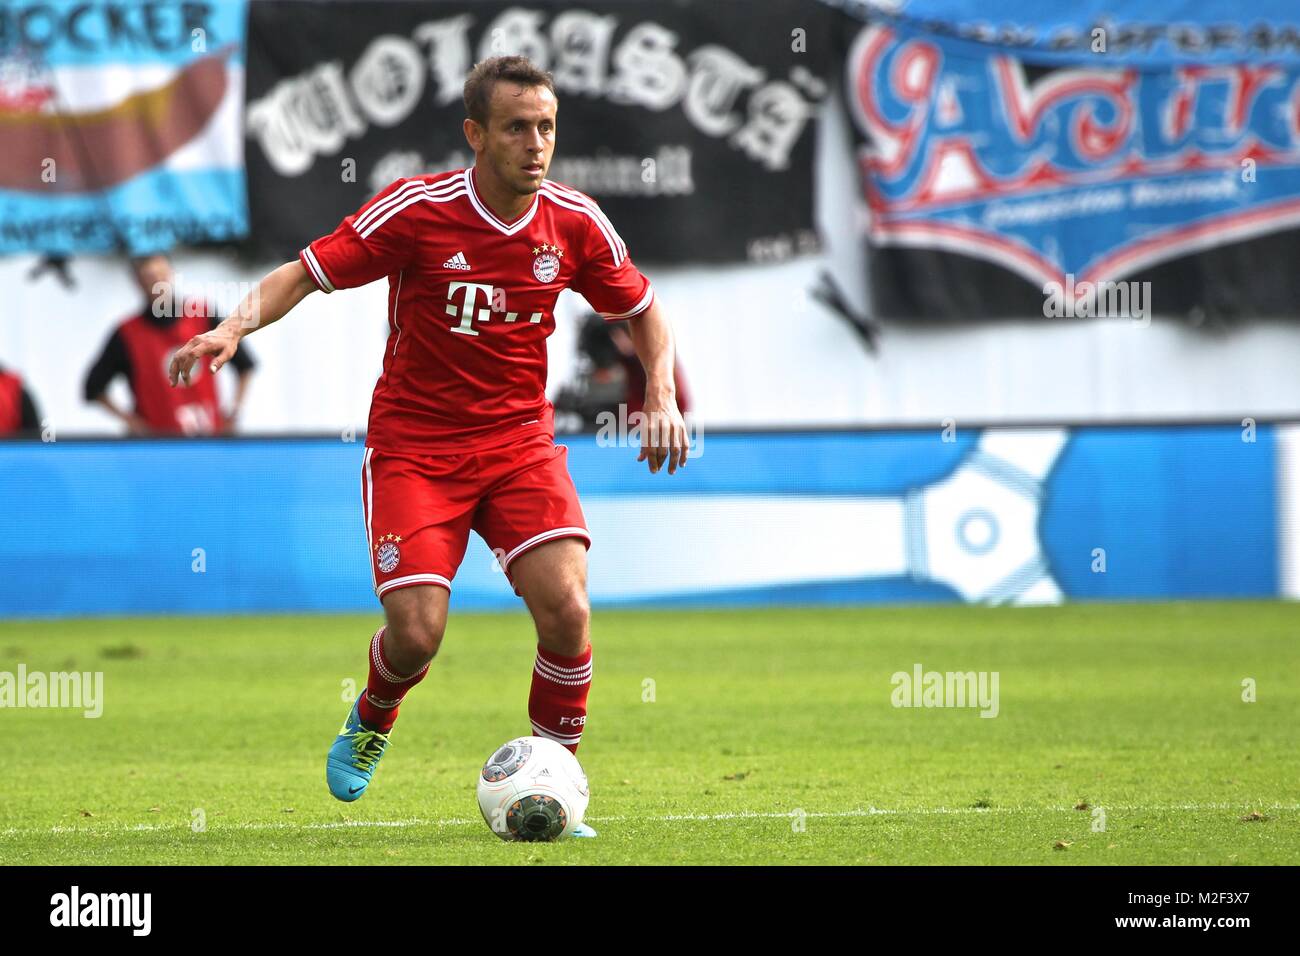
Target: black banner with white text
691,123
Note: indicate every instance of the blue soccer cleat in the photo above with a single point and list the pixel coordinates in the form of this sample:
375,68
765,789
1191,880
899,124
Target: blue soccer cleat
583,832
353,757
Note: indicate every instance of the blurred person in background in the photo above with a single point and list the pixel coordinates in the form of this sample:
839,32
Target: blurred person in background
609,375
141,349
18,414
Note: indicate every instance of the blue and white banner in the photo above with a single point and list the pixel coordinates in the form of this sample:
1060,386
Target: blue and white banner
1148,33
997,516
120,124
1073,147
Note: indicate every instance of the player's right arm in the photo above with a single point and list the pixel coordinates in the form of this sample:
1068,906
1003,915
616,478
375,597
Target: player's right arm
271,301
378,241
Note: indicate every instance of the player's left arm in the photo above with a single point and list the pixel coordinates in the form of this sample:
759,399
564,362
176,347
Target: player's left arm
663,435
615,288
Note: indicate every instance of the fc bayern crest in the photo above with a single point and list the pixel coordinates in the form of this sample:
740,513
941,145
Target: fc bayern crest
387,553
546,262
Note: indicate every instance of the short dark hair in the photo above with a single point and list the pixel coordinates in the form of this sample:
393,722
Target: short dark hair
482,80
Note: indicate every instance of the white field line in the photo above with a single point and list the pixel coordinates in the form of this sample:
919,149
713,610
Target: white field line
664,818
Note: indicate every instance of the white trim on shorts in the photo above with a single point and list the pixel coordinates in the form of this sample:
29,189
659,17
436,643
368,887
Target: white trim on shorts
535,540
411,579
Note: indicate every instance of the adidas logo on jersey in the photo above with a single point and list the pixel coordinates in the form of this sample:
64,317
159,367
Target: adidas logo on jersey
457,262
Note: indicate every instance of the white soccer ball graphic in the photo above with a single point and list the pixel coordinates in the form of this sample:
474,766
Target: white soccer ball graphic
532,789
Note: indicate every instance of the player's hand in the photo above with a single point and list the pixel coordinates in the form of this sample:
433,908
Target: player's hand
136,425
663,436
221,344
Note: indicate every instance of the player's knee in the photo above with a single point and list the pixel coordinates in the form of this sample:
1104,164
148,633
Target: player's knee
563,620
416,619
416,639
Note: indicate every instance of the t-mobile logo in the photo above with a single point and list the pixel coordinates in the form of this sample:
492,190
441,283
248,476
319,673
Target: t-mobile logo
468,311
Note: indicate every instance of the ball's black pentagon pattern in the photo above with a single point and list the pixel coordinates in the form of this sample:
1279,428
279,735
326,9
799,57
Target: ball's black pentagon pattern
537,818
507,760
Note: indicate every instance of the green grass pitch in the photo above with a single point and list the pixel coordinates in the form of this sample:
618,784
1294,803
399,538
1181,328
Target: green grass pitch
770,738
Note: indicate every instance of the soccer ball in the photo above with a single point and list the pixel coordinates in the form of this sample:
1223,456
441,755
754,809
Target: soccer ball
532,789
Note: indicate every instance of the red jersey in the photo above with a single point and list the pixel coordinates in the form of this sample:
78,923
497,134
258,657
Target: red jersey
184,410
471,301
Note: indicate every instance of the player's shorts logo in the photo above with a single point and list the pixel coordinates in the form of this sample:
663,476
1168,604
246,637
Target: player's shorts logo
387,553
389,556
546,262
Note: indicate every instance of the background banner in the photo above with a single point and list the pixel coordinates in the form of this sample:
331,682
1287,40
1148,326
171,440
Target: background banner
119,124
1151,33
995,516
1009,151
691,122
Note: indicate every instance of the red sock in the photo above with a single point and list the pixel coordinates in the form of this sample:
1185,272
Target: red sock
384,689
557,704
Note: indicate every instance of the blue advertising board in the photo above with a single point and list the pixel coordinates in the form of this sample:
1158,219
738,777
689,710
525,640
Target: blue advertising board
1025,516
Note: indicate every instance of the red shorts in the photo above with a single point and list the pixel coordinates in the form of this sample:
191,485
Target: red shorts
420,509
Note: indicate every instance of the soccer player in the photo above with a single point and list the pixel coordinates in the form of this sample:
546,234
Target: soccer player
461,433
140,349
